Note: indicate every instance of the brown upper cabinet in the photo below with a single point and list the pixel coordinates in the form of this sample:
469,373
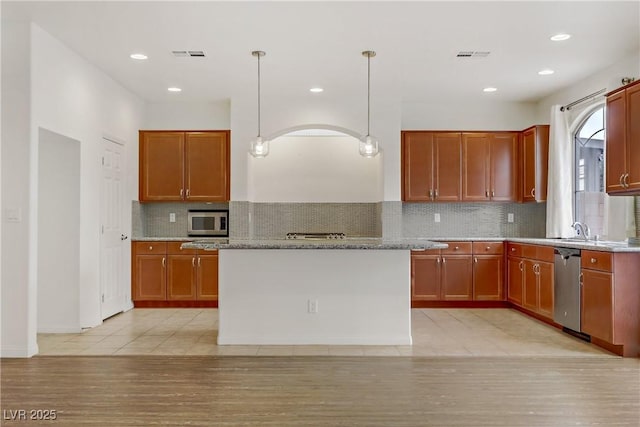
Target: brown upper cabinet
184,166
622,137
534,163
490,166
431,166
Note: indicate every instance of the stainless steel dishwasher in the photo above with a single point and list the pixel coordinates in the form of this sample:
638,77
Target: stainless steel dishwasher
566,289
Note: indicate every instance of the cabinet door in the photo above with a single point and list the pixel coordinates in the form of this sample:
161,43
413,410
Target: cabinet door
417,166
207,166
161,166
457,277
515,275
425,277
504,166
545,289
530,286
207,285
447,163
181,277
488,274
633,137
529,165
476,149
150,278
615,141
597,304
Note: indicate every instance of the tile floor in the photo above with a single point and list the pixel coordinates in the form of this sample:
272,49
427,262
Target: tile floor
436,332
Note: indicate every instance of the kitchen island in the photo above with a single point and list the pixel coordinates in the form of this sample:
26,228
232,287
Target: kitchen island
302,292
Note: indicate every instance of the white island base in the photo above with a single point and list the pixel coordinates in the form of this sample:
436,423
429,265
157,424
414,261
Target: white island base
314,296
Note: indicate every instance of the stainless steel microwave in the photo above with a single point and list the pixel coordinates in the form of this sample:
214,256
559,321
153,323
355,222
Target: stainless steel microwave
208,223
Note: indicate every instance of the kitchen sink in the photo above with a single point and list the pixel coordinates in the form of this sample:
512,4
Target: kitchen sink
593,242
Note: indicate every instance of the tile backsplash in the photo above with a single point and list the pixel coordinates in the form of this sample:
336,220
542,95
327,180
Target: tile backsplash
389,219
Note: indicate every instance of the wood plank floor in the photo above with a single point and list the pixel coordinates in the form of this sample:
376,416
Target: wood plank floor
324,391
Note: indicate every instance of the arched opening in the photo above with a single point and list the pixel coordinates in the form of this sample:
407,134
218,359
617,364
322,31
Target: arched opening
315,163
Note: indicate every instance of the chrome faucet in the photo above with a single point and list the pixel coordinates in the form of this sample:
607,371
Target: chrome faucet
582,229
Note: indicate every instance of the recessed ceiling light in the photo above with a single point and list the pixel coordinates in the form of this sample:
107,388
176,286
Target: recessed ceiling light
560,37
489,89
174,89
316,89
139,56
546,72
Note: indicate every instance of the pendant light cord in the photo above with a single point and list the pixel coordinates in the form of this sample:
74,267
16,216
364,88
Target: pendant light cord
258,94
368,92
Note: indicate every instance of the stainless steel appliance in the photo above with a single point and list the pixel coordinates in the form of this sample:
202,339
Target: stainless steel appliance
566,288
212,223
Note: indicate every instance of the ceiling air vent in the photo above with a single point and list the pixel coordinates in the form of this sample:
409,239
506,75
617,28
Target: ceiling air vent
473,54
185,53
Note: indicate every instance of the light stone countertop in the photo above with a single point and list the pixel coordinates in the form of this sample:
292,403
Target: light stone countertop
355,243
379,243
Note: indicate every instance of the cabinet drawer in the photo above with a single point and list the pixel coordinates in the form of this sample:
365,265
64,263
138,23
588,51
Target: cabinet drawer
150,248
488,248
595,260
514,249
458,248
541,253
173,248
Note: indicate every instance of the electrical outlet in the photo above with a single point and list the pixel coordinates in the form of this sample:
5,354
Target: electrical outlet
172,217
509,217
436,217
312,306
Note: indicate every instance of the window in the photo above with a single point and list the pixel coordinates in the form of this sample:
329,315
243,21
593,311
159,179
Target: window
589,171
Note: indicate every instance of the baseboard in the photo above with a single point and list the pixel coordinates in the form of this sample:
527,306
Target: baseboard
460,304
12,352
59,330
175,304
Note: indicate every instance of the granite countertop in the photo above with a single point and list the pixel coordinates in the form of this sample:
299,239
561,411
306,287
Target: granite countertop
379,243
355,243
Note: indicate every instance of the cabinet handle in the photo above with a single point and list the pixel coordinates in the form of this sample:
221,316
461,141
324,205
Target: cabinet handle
493,193
626,180
435,193
620,180
193,262
521,265
150,248
181,193
581,278
444,260
486,193
593,260
475,260
199,259
457,248
533,192
164,262
488,248
188,193
513,249
430,194
438,260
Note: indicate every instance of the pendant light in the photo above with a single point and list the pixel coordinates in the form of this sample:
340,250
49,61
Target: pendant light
368,145
259,146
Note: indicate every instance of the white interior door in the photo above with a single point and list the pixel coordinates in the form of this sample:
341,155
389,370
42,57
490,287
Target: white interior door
113,237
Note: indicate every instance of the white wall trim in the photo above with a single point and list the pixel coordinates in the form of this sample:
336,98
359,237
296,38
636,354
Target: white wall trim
314,126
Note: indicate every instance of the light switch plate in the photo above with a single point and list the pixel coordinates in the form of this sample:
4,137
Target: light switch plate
509,217
172,217
436,217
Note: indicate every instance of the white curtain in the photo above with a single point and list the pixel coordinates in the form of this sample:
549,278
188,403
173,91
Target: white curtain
560,179
619,217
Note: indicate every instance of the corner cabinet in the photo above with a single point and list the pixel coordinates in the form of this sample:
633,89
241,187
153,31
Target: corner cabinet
534,163
622,140
490,166
184,166
165,275
431,166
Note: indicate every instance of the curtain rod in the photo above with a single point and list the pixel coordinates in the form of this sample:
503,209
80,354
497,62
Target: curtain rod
583,99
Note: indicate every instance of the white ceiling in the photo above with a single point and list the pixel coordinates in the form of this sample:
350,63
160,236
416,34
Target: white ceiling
320,44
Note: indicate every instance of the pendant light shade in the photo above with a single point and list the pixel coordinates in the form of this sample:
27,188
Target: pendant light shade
259,146
368,145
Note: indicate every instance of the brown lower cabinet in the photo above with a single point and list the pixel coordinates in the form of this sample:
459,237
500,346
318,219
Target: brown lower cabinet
530,276
166,273
466,271
611,300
